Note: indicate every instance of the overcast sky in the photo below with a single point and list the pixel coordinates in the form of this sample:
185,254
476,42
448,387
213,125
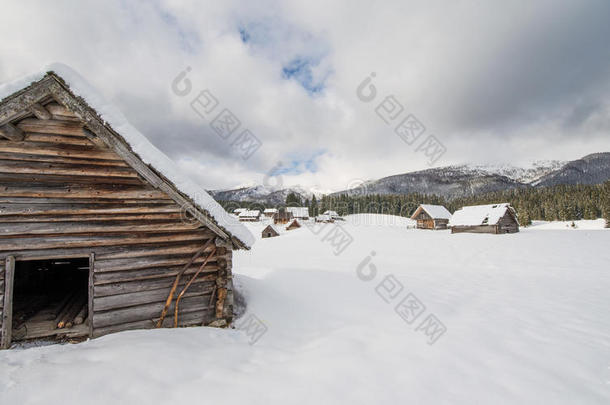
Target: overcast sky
503,81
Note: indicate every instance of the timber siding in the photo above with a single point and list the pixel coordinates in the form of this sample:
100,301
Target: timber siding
65,194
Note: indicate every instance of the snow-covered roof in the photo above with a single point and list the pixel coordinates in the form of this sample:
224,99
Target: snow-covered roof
250,214
299,212
324,217
332,214
275,228
239,210
435,211
140,146
270,210
479,215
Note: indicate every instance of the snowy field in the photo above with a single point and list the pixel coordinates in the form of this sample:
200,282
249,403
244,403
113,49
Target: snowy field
524,319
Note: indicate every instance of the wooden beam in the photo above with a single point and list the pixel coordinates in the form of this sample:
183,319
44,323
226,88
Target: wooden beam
40,112
91,293
7,313
11,132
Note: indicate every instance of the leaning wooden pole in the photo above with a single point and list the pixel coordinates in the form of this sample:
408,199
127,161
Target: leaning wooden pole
207,259
170,297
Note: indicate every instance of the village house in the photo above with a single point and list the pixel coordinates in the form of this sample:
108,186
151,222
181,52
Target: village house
249,216
333,215
324,218
269,212
282,217
270,231
299,212
431,216
493,218
293,225
101,232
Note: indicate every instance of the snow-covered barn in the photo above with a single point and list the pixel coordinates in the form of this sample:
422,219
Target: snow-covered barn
299,212
100,230
269,212
282,217
431,216
332,214
493,218
324,218
294,224
270,231
249,215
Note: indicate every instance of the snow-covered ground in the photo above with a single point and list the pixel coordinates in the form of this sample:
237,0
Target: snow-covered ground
527,321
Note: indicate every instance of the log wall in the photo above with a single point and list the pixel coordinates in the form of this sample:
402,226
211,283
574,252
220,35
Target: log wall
64,195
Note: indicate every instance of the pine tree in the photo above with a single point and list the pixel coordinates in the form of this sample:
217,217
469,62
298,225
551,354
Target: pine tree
292,200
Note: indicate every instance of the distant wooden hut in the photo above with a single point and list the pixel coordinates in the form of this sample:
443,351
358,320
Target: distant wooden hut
282,217
431,216
494,218
269,212
270,231
249,216
99,228
333,215
293,225
299,212
324,219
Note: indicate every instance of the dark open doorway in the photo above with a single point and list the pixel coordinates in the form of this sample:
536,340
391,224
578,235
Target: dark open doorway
50,298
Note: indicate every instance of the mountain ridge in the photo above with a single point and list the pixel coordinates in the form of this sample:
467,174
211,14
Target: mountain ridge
451,181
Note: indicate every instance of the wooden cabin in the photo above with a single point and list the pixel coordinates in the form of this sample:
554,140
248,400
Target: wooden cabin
269,212
282,217
99,231
299,212
293,225
333,215
327,219
431,217
270,231
494,218
249,216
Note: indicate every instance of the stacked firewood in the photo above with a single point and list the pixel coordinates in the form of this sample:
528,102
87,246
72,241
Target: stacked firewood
72,311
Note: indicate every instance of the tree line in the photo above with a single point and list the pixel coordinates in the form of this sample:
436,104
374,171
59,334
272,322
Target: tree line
555,203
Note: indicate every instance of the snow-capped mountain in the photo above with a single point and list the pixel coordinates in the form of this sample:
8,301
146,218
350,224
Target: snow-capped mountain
261,194
466,180
452,181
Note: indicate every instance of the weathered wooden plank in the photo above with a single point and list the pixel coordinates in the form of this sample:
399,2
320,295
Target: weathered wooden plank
61,180
8,166
24,157
58,139
18,244
73,192
146,297
84,209
11,132
149,273
40,112
142,262
146,312
128,287
185,319
90,294
164,217
46,228
151,251
7,313
47,149
66,200
59,110
51,126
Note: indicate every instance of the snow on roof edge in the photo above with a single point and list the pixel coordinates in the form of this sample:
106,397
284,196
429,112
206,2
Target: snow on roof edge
139,144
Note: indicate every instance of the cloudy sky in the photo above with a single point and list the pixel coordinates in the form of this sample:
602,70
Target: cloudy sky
492,81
